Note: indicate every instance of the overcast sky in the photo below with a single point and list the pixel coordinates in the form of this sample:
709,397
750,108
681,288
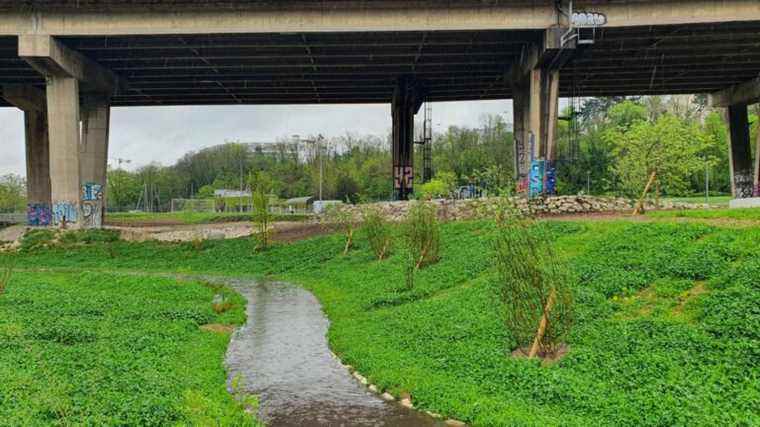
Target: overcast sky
163,134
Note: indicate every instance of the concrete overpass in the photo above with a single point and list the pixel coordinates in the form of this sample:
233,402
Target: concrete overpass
66,62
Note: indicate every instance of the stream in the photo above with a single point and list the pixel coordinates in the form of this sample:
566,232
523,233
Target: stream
281,354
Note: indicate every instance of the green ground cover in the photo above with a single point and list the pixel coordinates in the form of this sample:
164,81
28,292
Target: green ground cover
666,318
713,200
100,349
138,218
747,214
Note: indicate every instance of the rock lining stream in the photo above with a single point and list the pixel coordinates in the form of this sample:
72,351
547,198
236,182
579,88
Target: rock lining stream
281,354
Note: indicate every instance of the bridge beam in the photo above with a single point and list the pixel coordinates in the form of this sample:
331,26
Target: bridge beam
745,93
406,102
32,102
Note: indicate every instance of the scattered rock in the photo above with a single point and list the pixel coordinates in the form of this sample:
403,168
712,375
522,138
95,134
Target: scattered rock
387,397
360,378
406,403
454,423
372,388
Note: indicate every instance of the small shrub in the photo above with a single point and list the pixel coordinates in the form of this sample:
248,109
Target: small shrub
197,244
378,233
36,239
261,218
422,234
345,220
533,286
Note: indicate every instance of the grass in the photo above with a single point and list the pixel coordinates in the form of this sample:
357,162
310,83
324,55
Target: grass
666,319
100,349
746,214
713,200
142,218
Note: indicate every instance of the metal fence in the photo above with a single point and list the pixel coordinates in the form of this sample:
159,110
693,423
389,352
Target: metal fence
13,218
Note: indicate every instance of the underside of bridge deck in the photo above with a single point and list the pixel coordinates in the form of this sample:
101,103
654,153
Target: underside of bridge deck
363,67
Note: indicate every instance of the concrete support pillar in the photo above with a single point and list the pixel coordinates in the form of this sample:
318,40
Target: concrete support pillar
93,159
64,123
405,103
37,168
32,102
536,98
740,154
756,187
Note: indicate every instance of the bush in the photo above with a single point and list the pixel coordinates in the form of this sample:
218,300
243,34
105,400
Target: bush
422,234
533,287
378,232
261,218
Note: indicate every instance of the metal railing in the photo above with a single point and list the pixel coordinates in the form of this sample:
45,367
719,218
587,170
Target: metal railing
13,218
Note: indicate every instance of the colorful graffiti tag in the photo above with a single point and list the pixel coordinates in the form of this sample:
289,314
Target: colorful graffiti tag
38,214
92,214
65,213
550,179
536,178
92,191
405,175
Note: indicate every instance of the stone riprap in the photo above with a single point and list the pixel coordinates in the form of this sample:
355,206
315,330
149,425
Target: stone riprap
487,207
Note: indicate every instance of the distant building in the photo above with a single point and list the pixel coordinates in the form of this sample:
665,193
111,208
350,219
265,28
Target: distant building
231,193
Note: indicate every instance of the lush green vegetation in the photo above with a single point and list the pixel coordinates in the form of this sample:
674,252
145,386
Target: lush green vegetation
665,332
712,200
137,218
748,214
103,349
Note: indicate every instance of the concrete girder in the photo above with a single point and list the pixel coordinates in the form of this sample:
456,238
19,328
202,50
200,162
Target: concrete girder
25,97
742,94
365,16
52,59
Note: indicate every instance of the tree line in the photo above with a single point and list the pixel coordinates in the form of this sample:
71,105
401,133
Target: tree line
605,146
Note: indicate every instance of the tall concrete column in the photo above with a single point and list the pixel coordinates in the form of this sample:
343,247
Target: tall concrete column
740,154
93,159
536,98
37,168
32,102
402,110
64,123
522,147
756,187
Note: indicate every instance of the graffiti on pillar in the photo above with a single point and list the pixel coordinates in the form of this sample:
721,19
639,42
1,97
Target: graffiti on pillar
65,213
743,184
589,19
756,192
536,178
523,164
403,175
92,191
92,214
38,214
550,179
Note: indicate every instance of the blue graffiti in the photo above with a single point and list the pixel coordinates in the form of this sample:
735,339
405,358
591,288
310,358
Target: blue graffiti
65,212
536,178
92,191
38,214
550,184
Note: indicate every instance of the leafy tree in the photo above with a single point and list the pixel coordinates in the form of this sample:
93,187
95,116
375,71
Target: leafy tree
12,193
669,147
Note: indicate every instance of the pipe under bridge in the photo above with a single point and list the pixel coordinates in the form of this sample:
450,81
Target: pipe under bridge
65,63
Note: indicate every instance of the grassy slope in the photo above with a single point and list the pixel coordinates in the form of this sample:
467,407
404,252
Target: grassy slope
748,214
666,320
101,349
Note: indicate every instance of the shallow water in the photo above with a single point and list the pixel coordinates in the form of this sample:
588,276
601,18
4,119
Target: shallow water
282,355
